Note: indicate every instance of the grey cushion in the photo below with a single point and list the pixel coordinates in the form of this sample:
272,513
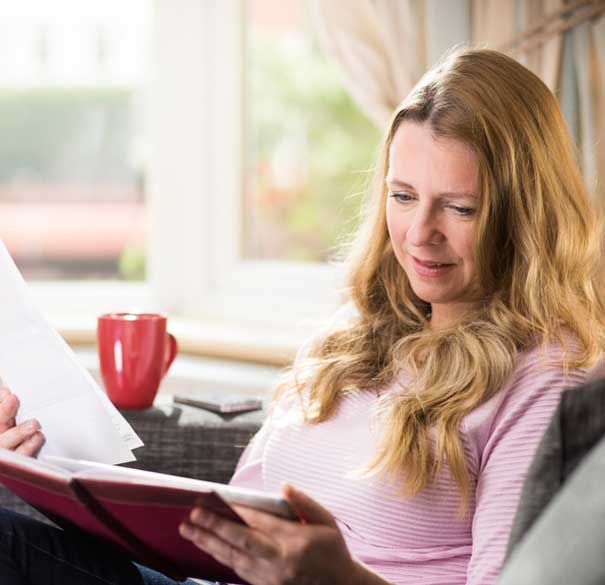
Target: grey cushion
191,442
558,535
577,426
566,543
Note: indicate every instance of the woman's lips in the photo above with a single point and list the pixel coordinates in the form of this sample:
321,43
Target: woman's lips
431,268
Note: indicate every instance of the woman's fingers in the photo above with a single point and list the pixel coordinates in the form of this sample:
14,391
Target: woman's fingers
17,435
265,522
240,561
306,508
9,405
24,438
287,553
241,537
31,446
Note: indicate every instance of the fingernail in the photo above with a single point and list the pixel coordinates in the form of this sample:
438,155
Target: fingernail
37,437
31,425
287,488
198,516
185,530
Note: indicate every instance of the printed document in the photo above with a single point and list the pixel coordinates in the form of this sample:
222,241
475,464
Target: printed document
75,415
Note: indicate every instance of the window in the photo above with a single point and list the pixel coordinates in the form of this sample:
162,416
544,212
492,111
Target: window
308,146
198,264
203,258
72,137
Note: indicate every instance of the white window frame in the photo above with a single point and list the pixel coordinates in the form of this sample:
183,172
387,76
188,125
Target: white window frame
196,267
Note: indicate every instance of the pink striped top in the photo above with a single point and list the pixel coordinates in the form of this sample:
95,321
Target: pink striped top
420,539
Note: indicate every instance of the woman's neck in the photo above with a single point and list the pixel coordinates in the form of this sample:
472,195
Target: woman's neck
447,314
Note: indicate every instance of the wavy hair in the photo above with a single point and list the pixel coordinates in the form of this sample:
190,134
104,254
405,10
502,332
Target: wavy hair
537,254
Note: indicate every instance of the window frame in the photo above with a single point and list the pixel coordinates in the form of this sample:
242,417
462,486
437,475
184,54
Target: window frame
226,286
195,265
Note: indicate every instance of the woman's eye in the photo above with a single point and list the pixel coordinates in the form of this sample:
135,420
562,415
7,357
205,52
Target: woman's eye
401,196
464,211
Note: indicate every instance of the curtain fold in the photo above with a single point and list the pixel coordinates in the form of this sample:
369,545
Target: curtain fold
590,65
379,46
495,23
545,60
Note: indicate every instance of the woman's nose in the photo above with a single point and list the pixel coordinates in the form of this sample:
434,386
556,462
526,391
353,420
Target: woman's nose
424,229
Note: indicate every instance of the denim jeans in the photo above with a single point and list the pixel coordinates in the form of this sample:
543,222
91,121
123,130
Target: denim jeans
34,553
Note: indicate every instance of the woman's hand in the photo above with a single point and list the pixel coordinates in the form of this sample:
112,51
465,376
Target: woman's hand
24,438
273,551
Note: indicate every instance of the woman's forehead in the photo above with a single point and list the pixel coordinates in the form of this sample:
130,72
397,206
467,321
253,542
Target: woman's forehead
419,158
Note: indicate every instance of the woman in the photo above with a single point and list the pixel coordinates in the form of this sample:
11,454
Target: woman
409,425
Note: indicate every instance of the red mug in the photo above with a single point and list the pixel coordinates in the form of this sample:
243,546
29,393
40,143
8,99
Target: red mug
135,352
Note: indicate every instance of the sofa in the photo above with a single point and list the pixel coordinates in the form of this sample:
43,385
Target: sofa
558,535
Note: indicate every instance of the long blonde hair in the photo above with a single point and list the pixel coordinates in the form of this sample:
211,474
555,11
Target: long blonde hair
537,254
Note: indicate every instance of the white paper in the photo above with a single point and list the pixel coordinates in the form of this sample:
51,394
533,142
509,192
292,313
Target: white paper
75,415
267,502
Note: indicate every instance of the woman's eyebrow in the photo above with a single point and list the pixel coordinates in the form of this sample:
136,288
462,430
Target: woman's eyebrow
399,183
393,182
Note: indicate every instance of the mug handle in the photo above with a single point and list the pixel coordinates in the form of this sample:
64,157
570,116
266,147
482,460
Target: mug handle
173,349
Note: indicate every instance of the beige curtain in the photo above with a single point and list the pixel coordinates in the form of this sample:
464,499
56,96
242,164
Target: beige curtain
540,33
588,39
501,24
379,46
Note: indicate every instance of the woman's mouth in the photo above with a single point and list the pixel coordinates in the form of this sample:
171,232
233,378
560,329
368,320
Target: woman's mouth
431,267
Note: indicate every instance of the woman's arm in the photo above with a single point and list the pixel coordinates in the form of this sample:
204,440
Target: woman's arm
271,550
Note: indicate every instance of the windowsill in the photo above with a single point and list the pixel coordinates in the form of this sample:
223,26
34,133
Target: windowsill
76,320
200,374
256,345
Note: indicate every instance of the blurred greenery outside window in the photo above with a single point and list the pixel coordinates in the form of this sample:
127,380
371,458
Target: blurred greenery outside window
72,138
309,148
71,151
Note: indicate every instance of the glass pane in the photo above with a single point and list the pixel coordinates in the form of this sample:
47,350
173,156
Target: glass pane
72,137
309,147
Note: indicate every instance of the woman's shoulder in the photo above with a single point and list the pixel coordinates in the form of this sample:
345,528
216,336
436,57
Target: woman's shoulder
341,318
532,390
546,368
552,357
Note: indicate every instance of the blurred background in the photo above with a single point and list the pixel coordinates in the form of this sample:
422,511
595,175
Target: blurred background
74,141
111,115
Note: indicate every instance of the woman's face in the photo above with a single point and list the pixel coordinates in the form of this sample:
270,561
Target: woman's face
433,198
